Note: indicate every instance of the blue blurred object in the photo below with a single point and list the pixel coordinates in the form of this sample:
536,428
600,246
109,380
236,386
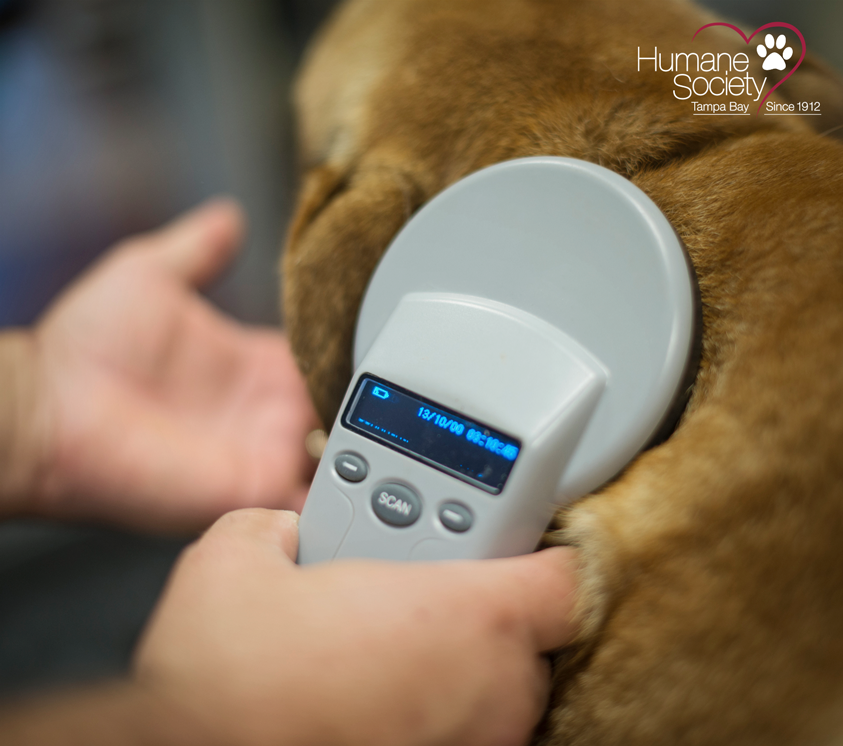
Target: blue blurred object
116,115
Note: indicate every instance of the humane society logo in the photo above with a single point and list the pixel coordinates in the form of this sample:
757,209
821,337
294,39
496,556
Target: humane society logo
692,73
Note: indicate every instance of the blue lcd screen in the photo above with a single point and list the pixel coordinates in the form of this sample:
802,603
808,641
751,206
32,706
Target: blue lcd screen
431,433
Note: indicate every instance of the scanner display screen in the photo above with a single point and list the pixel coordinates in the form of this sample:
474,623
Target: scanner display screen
431,433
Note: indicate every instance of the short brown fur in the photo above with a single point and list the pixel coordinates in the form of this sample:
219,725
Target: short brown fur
712,574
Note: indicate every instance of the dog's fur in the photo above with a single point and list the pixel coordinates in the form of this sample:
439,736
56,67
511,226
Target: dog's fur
712,569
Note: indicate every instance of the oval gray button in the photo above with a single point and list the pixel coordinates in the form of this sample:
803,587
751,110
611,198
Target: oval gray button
351,468
396,504
456,517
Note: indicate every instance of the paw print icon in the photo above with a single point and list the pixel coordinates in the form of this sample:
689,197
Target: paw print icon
772,59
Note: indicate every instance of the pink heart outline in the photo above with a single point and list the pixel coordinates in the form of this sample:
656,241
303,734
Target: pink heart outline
749,39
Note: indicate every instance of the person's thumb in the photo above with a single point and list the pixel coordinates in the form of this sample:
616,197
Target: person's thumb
258,527
542,588
199,245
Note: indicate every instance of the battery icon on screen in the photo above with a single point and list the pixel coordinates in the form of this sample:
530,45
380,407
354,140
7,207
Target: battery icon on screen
380,393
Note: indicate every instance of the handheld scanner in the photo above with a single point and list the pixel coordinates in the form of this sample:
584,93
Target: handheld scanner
525,335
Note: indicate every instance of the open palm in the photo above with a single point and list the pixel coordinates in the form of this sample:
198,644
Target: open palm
159,412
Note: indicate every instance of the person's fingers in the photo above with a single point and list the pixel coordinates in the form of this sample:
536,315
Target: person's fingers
541,587
197,246
278,529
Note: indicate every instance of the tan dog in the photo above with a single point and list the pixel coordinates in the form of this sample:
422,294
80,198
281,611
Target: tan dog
712,577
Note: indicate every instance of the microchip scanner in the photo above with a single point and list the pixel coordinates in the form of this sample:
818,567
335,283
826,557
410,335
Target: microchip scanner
526,334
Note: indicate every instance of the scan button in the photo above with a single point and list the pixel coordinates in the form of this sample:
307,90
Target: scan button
351,468
396,504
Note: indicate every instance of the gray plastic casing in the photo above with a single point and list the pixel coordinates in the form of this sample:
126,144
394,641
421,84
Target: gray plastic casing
550,299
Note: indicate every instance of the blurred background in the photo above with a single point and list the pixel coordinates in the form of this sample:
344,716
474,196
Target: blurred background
115,115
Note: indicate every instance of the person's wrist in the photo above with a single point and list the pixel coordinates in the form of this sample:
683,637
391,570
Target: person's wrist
22,424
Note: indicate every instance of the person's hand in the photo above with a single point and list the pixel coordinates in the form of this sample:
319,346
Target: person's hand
256,650
153,409
247,649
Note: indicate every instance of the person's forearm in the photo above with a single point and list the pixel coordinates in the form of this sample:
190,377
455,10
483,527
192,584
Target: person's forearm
117,714
20,455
